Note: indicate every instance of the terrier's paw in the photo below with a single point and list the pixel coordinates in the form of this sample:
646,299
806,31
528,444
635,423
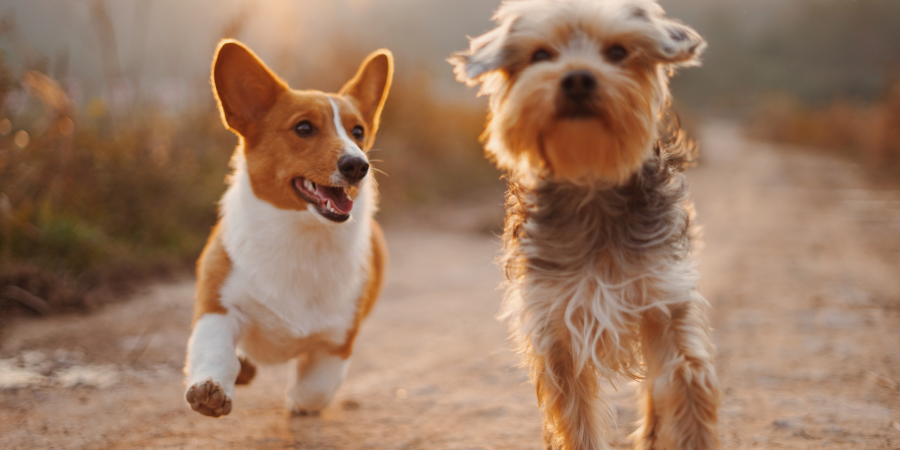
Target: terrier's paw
208,398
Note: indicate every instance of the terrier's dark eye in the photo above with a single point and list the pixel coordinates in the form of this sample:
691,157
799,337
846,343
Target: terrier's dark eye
305,129
616,54
541,55
358,132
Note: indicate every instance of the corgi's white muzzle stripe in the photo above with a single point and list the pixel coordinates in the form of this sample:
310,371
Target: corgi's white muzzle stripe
350,147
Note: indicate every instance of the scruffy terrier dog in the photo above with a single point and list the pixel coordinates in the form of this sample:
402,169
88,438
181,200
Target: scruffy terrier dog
598,228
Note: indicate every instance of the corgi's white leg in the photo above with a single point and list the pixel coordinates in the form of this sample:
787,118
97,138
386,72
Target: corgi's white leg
315,382
213,365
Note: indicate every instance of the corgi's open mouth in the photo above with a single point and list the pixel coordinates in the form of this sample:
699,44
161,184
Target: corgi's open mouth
332,202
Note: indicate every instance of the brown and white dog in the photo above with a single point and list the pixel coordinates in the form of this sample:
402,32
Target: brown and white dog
598,228
296,260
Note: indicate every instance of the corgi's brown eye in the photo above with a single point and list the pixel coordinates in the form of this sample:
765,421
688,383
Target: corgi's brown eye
616,54
305,129
541,55
358,133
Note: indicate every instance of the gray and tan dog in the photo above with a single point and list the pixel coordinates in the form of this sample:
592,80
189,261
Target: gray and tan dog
598,227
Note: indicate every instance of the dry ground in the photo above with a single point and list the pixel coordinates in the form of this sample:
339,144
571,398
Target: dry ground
801,266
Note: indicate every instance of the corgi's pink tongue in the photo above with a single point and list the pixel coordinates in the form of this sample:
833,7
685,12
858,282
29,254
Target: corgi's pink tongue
340,201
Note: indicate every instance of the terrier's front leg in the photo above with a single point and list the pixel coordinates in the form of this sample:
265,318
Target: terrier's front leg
317,379
577,415
213,365
681,394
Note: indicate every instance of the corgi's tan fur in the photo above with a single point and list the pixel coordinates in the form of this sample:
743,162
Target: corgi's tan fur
296,261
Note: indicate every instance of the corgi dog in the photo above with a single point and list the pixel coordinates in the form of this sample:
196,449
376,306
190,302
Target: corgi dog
296,260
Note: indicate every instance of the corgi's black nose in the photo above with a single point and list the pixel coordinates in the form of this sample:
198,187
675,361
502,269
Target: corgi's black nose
353,168
578,85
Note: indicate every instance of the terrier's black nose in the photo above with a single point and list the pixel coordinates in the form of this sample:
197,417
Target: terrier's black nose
353,168
579,85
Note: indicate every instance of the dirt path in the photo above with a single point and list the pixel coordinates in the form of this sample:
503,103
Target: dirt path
801,264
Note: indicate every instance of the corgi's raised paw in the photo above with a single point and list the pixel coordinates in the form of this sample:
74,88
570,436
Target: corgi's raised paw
208,398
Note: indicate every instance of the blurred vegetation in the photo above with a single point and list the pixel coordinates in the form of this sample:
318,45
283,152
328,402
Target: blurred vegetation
819,73
868,132
91,200
815,50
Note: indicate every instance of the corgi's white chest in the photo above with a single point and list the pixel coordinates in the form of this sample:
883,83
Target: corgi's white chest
306,273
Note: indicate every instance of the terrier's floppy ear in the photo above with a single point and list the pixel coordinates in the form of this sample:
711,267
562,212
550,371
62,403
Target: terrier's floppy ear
486,54
244,87
677,43
370,86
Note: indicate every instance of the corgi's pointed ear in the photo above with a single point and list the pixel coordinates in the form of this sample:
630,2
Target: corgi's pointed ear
244,87
370,86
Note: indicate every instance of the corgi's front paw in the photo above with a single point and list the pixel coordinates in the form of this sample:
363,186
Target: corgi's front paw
209,398
306,405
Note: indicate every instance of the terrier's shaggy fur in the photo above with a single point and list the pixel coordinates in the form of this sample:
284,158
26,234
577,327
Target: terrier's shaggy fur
598,227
